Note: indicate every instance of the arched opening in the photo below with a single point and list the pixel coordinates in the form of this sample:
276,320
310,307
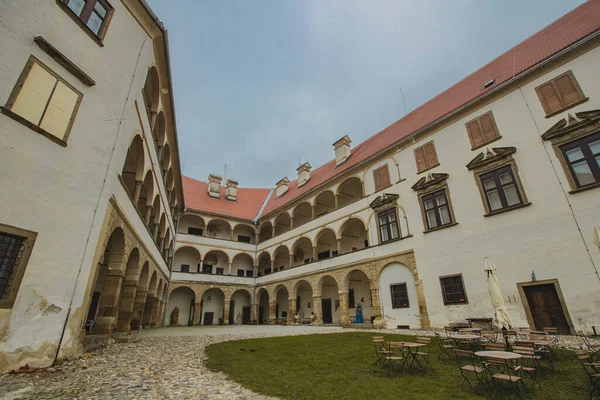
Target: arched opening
212,307
239,308
180,307
146,196
164,159
266,232
302,253
324,203
330,300
350,190
359,297
219,229
128,292
133,168
263,306
159,131
160,233
191,224
169,184
281,259
242,265
326,244
354,236
175,213
215,262
140,297
398,296
150,300
165,244
282,224
105,295
154,216
304,301
244,233
264,264
151,94
156,309
302,214
282,307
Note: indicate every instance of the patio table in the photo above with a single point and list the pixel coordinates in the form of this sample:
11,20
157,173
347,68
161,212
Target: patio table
505,355
411,352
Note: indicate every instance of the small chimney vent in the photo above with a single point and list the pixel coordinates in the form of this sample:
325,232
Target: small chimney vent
303,174
231,190
282,187
214,185
342,150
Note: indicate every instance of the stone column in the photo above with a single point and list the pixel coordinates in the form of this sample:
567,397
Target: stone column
254,313
161,314
256,238
378,321
196,317
339,247
148,310
137,192
291,223
291,260
229,269
138,309
337,201
292,311
231,235
147,216
317,310
344,310
423,313
272,265
273,230
155,230
109,301
126,305
312,212
314,254
153,115
155,312
226,304
272,313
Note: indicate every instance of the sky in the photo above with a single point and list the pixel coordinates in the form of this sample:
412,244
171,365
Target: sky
260,85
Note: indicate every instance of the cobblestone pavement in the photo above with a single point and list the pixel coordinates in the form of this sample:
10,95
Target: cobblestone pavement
166,364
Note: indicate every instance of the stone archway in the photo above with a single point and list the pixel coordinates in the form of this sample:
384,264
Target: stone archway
330,301
239,307
262,307
213,307
304,301
184,299
128,292
282,305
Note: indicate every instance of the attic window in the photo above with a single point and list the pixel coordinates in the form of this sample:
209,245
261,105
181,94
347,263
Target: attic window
489,83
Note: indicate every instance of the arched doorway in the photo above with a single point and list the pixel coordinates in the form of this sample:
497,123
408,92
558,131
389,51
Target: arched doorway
282,308
330,301
398,296
239,307
359,292
140,297
263,307
304,301
149,303
128,292
182,298
353,236
212,307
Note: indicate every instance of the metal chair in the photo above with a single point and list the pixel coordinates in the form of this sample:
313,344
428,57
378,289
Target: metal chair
394,356
595,350
592,370
467,368
489,336
445,346
530,362
423,355
495,346
380,350
503,372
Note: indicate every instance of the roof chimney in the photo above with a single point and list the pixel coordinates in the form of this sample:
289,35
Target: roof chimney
342,150
214,185
282,187
231,191
303,173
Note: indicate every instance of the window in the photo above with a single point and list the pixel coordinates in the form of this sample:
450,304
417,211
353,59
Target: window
381,176
437,211
426,157
399,295
324,254
453,290
184,268
240,272
249,274
15,248
194,231
267,271
560,93
243,239
220,271
388,225
501,190
482,130
351,302
583,159
43,102
94,15
206,268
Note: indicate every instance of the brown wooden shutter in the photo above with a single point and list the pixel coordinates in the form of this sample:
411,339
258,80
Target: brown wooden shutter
430,155
377,179
567,89
420,159
385,176
488,127
475,134
549,98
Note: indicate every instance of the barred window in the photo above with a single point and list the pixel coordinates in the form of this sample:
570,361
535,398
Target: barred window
15,248
399,295
453,290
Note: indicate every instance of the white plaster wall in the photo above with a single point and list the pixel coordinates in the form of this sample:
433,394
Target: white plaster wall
392,317
241,299
207,278
305,294
182,298
241,263
215,304
187,256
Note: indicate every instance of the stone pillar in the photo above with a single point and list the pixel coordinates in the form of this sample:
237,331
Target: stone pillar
147,216
272,265
231,235
344,310
155,312
226,304
317,310
155,230
339,247
256,238
273,230
161,244
148,310
138,309
126,305
196,317
291,222
109,302
137,192
423,313
337,201
314,254
161,314
229,269
292,310
254,313
153,115
312,212
291,260
272,313
378,321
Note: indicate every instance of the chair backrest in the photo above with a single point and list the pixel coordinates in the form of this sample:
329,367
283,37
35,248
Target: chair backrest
395,345
538,332
426,340
537,336
585,341
524,329
523,350
510,332
377,337
524,343
551,330
586,361
495,346
463,354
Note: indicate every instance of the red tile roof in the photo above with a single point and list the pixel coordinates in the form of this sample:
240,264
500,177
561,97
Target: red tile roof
570,28
248,204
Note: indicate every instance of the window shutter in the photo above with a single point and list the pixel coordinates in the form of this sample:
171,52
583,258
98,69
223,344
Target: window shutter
488,127
475,134
549,98
377,179
385,176
568,91
420,158
430,155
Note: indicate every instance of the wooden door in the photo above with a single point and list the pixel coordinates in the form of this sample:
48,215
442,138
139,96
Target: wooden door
245,315
208,318
546,308
327,315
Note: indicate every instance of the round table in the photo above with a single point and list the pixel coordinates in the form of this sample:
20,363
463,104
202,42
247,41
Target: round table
505,355
462,336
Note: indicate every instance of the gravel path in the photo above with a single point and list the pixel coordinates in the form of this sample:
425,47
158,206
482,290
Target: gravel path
166,364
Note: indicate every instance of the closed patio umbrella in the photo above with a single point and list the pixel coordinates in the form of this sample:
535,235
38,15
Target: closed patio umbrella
500,315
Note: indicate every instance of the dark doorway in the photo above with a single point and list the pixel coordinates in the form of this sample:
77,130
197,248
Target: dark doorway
327,316
245,315
546,308
231,311
276,313
208,318
93,307
261,314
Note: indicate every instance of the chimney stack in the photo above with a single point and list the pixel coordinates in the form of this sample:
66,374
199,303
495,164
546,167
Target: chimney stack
303,173
342,150
214,185
282,187
231,191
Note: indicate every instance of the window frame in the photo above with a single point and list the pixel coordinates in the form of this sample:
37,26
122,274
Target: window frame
589,158
12,98
444,293
499,187
88,10
351,298
582,97
379,171
478,120
184,265
20,264
433,195
379,226
399,284
428,166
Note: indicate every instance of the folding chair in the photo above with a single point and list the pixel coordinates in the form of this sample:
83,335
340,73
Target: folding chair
543,346
495,346
467,368
445,346
523,333
502,373
423,355
595,350
489,336
592,370
530,362
380,350
552,333
449,330
394,356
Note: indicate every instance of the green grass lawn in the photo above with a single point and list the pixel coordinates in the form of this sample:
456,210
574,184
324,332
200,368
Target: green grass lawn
340,366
